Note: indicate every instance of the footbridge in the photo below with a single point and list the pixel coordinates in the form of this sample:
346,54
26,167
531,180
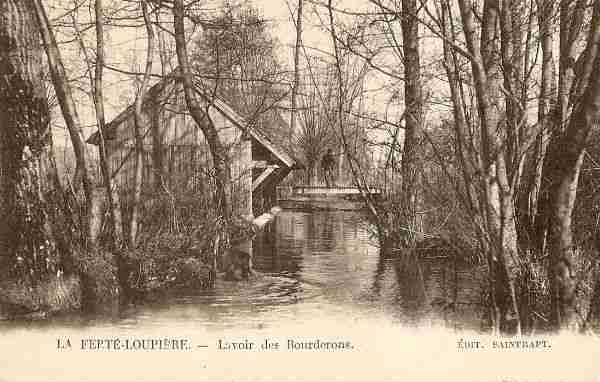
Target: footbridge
339,191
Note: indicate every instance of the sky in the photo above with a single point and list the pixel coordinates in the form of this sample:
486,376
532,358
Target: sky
126,49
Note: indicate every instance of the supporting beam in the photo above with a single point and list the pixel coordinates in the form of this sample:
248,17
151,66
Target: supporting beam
263,176
259,164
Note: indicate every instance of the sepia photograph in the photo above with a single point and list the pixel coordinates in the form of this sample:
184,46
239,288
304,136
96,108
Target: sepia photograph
300,190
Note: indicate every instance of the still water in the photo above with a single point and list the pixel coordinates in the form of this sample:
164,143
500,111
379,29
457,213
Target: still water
321,278
319,265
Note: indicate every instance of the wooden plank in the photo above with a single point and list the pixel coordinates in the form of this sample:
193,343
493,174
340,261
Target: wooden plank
263,176
321,190
259,164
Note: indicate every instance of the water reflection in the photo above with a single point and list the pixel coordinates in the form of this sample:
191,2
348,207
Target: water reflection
321,264
332,250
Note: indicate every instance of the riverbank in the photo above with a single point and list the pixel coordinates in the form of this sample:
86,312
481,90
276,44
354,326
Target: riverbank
165,263
55,294
310,265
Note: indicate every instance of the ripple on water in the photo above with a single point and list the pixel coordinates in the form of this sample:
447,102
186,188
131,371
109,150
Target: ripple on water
321,264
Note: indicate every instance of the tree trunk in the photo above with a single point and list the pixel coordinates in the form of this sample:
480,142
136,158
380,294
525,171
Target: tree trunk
464,151
564,157
83,171
217,150
157,149
497,192
111,193
413,103
139,134
570,25
340,168
25,138
357,174
471,164
532,185
294,112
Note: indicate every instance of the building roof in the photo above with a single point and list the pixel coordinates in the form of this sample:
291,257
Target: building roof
220,105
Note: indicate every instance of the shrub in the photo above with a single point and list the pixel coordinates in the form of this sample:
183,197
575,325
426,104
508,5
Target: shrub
180,240
98,272
53,294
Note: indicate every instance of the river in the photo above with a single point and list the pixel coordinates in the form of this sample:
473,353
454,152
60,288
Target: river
320,278
320,265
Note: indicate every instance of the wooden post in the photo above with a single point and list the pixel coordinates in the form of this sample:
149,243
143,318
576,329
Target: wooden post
245,188
246,176
270,193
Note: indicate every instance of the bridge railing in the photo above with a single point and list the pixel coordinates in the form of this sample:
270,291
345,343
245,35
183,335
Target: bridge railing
380,181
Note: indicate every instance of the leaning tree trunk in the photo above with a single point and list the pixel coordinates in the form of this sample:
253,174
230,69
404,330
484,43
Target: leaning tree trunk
64,96
26,238
217,149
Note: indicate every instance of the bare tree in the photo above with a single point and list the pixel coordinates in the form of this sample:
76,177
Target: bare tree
317,115
296,85
218,151
559,138
577,112
385,55
64,95
139,138
413,101
345,97
111,192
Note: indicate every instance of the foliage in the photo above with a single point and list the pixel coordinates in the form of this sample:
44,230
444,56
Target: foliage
99,278
180,240
53,294
236,59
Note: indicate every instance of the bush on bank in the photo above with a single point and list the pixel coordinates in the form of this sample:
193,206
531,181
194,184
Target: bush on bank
53,294
180,242
181,239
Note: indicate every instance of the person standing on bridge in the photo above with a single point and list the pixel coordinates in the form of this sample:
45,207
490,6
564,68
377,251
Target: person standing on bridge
327,165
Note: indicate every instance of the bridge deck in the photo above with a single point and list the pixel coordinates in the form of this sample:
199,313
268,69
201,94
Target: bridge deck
334,190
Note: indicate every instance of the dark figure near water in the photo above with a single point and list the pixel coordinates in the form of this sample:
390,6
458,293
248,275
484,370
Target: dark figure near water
327,164
237,265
